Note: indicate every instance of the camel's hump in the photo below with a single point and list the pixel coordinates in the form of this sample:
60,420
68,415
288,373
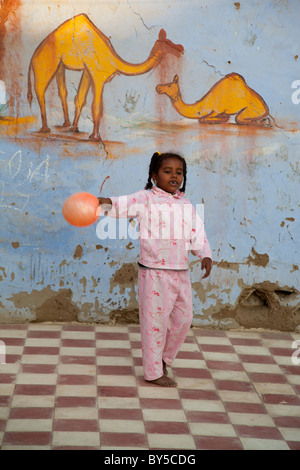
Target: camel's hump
81,16
235,76
80,20
78,23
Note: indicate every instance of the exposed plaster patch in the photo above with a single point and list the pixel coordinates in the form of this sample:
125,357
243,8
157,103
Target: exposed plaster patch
264,305
47,305
125,278
228,265
83,281
4,273
295,268
78,252
124,316
258,259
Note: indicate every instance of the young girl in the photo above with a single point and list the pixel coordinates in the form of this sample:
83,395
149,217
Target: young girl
168,228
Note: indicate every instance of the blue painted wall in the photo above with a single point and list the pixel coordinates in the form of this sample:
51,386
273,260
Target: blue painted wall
247,177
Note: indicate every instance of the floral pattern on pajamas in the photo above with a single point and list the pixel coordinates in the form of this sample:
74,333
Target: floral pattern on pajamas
165,306
169,227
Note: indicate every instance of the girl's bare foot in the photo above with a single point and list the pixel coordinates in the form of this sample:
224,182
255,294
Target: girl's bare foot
163,381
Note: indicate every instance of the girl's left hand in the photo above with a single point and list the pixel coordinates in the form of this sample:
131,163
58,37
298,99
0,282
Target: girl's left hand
207,265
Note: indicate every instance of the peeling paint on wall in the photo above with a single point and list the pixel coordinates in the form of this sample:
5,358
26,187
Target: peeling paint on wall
245,174
264,305
45,305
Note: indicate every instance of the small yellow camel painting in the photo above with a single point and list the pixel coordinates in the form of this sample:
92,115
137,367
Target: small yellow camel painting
77,44
229,96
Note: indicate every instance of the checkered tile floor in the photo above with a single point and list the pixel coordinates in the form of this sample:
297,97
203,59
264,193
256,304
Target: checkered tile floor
75,386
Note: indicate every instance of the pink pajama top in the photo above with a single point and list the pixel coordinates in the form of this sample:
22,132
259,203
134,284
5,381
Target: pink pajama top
169,227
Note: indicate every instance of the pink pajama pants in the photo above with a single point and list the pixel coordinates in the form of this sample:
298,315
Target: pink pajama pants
165,309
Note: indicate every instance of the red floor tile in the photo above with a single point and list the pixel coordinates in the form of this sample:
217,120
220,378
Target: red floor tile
75,402
198,394
256,359
258,432
43,334
112,336
7,378
73,425
120,414
158,427
224,365
254,408
31,413
246,342
268,378
35,389
115,440
219,348
293,445
217,443
161,403
192,373
207,417
45,351
2,425
285,352
192,355
39,368
279,399
212,333
80,360
13,358
113,352
107,391
76,380
290,370
27,438
276,335
78,327
234,385
115,370
78,343
5,400
287,421
14,341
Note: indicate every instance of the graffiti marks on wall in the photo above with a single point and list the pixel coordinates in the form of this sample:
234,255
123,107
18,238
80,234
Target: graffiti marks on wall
229,96
20,179
77,44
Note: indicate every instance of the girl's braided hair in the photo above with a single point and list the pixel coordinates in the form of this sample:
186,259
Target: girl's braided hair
156,162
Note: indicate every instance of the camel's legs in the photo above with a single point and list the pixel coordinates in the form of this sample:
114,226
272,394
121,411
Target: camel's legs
97,106
80,98
62,91
214,118
43,77
97,80
251,115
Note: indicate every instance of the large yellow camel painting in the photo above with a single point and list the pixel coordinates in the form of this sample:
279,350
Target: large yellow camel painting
77,44
229,96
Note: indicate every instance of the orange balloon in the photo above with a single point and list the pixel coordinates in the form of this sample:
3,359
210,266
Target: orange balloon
80,209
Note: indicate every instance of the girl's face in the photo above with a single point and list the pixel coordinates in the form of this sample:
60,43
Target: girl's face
170,175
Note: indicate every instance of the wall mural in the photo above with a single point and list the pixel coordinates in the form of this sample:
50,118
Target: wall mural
78,44
230,96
